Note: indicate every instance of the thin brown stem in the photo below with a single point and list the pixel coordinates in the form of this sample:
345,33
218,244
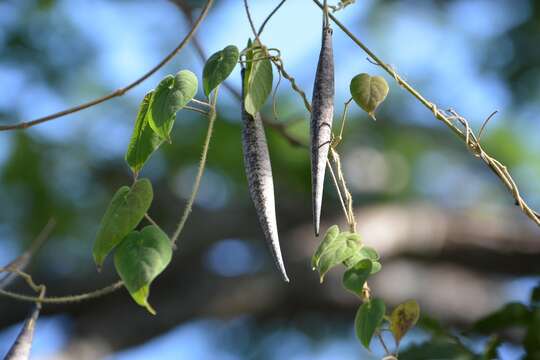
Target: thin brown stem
121,91
22,261
272,13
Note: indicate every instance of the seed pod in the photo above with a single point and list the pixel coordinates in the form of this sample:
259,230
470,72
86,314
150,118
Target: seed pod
321,122
260,182
21,348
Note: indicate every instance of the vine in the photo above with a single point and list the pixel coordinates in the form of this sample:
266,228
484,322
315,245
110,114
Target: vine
140,256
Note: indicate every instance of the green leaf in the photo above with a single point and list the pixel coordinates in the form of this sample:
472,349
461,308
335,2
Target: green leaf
258,80
335,249
369,92
330,236
171,95
369,253
512,314
125,211
144,141
376,267
218,67
354,278
139,259
403,318
368,319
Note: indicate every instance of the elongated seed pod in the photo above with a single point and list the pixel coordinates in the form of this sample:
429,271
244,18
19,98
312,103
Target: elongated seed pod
321,122
260,181
21,348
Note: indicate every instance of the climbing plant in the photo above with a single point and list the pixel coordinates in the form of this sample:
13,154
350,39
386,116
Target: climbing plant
141,254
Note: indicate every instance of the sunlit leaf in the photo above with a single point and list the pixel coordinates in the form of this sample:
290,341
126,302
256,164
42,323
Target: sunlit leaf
218,67
125,211
139,259
335,248
171,95
403,318
144,141
257,81
369,92
368,319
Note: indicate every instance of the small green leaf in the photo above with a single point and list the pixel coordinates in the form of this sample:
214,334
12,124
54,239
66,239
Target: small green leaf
369,92
369,253
354,278
331,234
125,211
258,80
171,95
335,249
368,319
139,259
403,318
365,252
144,141
218,67
376,267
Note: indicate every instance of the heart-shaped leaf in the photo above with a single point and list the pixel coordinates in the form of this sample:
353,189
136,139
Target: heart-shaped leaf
354,278
335,249
218,67
139,259
403,318
171,95
369,92
368,319
144,141
257,80
125,211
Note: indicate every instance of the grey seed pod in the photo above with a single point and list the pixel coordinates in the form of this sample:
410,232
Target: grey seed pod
260,181
21,348
321,122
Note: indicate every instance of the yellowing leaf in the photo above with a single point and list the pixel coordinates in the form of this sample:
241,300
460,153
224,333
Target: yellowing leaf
403,318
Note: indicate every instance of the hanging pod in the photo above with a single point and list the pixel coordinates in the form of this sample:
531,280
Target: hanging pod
321,121
260,182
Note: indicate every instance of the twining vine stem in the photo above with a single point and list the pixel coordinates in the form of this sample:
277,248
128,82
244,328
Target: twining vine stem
121,91
200,170
449,118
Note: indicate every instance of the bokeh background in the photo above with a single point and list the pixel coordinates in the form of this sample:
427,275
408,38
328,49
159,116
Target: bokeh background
448,232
